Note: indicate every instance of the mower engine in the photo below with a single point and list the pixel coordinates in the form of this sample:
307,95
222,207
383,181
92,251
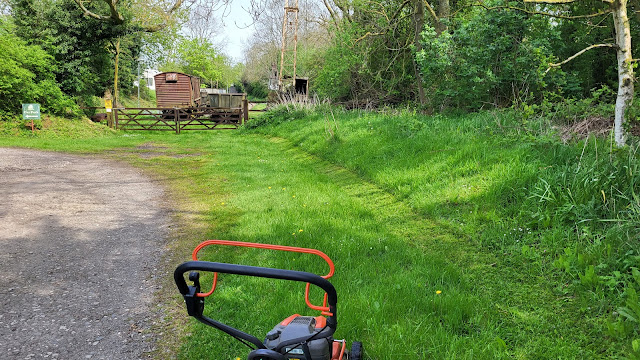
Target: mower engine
296,327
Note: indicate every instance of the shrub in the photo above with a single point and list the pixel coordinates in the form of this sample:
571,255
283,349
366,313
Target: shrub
471,68
256,90
27,76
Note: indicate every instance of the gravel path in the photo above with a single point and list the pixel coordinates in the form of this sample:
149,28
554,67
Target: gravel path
79,242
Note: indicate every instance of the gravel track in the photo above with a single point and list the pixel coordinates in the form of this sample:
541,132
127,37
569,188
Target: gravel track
80,239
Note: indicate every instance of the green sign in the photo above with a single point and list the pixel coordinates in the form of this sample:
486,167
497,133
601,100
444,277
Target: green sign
31,111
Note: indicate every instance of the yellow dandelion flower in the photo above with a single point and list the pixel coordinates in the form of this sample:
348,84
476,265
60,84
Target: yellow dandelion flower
293,196
300,230
438,292
269,187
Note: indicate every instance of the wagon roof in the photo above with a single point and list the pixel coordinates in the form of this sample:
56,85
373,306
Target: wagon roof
174,72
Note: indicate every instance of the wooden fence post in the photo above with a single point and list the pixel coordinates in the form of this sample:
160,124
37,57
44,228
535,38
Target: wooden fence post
245,107
110,119
176,113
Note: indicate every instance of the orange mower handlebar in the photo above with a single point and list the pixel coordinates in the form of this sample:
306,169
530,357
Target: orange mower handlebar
324,308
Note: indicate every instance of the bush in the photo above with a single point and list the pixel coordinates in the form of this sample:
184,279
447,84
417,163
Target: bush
256,90
470,68
27,76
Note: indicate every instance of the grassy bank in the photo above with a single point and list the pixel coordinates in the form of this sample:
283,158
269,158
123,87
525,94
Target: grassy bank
452,236
559,222
51,127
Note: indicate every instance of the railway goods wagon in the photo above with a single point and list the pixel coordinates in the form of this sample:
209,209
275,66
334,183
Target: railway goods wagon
222,100
177,90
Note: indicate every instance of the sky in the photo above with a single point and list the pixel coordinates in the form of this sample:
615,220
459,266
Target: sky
237,29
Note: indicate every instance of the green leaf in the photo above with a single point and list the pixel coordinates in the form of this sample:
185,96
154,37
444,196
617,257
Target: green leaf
500,344
627,313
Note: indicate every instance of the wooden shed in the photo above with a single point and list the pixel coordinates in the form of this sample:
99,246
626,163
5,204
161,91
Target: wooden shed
174,89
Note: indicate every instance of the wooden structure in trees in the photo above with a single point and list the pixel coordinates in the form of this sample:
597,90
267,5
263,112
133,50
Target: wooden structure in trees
288,54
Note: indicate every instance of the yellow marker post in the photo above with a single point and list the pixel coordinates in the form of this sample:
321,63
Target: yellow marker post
108,105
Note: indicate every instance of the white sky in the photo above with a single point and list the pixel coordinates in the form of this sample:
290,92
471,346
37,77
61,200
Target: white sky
237,29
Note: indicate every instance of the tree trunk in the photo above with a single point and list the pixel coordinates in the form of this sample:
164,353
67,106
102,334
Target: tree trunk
444,11
115,75
418,20
625,69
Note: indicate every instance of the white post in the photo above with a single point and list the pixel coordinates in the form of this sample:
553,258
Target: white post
138,83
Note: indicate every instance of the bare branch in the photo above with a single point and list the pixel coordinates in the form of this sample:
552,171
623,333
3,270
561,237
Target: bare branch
613,46
331,11
369,34
175,7
97,16
391,21
117,17
533,12
345,11
433,14
166,18
395,15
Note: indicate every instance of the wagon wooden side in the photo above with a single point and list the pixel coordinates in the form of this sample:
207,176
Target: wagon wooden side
177,90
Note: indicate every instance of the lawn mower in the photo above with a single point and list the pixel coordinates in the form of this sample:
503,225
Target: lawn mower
296,337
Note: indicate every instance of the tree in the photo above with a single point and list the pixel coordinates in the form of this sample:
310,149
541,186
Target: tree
131,16
78,47
381,38
264,48
27,75
564,10
370,59
198,57
469,67
149,16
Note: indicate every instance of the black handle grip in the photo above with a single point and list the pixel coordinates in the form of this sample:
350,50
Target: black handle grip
324,284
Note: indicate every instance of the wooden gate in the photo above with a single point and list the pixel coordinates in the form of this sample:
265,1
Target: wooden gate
157,119
179,119
209,118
